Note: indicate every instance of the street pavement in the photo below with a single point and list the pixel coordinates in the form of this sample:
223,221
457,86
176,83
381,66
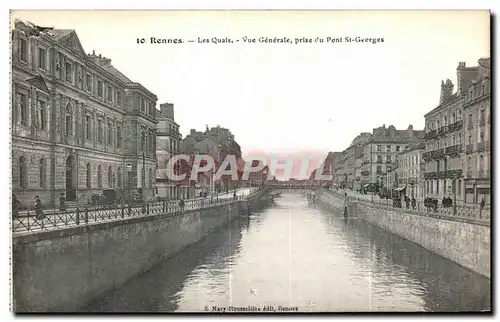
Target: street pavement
54,219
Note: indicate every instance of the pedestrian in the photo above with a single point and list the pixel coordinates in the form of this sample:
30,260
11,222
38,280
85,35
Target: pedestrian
413,203
481,207
181,204
15,206
38,208
62,202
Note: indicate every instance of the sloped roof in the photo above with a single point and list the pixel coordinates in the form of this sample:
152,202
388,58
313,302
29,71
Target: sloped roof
115,72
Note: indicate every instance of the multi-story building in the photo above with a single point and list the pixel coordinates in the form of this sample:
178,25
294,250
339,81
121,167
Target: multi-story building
381,152
445,139
168,140
477,116
78,124
410,171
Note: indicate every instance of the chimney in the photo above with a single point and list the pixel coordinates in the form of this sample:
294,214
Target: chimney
167,109
410,131
446,90
192,132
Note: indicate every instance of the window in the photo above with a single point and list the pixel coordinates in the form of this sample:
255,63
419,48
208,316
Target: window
437,186
379,159
150,144
22,172
438,124
119,177
389,159
110,177
470,118
23,108
69,76
88,130
42,58
110,94
99,89
481,137
388,148
23,50
470,140
453,140
118,98
89,82
469,164
150,177
143,139
481,163
42,173
41,115
453,119
379,169
89,176
110,134
143,106
459,138
398,148
459,188
99,177
481,116
379,148
445,121
118,136
69,121
99,131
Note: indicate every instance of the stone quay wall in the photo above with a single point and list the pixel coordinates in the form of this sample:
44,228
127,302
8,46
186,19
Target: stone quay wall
62,270
465,243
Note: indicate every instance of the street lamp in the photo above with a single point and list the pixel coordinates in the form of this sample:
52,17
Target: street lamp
129,181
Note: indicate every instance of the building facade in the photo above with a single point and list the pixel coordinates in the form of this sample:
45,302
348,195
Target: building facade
444,138
410,172
78,124
168,139
382,151
477,128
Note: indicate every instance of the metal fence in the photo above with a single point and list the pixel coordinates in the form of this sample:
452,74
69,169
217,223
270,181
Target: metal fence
50,220
462,212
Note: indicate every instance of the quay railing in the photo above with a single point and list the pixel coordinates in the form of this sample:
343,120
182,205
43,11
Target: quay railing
55,219
469,213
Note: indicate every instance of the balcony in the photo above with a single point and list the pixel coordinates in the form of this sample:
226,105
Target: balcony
427,155
481,147
379,161
469,148
379,172
365,173
453,150
439,153
442,130
431,134
455,126
443,174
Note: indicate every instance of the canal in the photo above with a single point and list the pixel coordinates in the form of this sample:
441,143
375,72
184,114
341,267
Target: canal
294,255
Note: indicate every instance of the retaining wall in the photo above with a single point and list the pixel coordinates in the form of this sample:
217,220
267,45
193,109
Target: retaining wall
468,244
62,270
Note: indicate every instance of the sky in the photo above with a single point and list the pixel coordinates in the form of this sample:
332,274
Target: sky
307,98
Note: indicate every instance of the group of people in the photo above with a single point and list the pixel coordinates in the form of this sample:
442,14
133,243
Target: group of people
397,202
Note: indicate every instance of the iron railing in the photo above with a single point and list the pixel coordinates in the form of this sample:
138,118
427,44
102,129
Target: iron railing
469,213
55,219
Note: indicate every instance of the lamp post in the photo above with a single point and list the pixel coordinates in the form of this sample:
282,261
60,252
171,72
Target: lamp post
455,177
129,182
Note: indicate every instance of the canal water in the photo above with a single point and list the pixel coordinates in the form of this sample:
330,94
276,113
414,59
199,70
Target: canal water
296,256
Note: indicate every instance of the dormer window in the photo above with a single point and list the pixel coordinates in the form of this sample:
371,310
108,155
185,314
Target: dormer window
69,70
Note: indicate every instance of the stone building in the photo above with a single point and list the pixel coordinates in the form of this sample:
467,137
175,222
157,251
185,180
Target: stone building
410,172
381,152
168,139
445,139
477,128
78,124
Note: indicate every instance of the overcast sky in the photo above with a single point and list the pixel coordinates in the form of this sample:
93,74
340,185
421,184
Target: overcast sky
280,97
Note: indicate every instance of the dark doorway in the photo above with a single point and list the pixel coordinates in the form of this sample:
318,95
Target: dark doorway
70,189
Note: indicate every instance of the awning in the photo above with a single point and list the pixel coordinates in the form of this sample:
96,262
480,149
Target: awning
400,188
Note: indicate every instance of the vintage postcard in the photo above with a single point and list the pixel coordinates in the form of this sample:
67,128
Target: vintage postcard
250,161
